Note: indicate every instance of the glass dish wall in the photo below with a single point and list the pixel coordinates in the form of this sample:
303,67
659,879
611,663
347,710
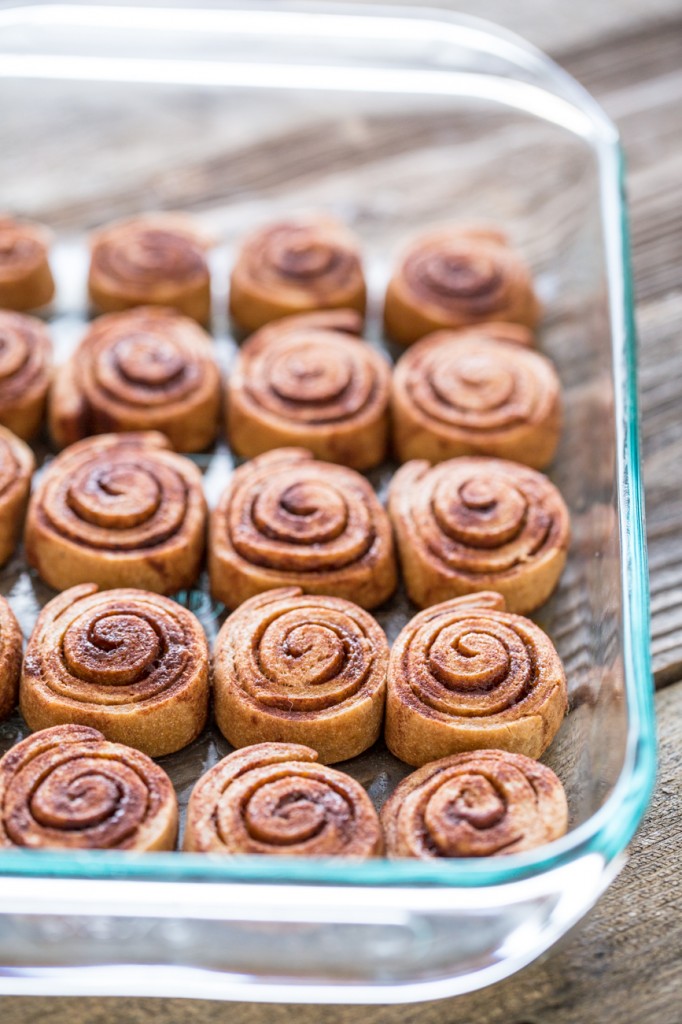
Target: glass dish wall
395,122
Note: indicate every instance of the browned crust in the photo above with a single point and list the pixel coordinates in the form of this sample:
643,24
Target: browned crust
143,369
296,266
455,277
479,804
476,523
68,788
468,393
157,260
465,675
118,510
299,668
132,664
273,798
288,520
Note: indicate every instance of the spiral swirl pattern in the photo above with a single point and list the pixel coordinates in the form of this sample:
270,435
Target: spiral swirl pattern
158,260
303,669
305,380
466,674
67,788
10,659
462,393
479,804
25,353
16,466
286,519
296,266
273,798
455,278
127,662
478,524
146,369
25,277
118,510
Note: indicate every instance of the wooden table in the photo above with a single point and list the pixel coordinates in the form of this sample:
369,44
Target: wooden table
625,963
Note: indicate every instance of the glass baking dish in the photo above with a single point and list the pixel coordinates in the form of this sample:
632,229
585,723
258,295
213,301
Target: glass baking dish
394,120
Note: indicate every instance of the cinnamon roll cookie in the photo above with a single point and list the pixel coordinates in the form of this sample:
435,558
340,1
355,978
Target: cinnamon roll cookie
458,277
68,788
25,358
296,266
25,276
467,393
145,369
298,668
118,510
288,520
154,260
480,804
465,675
306,380
10,659
16,467
473,524
273,798
132,664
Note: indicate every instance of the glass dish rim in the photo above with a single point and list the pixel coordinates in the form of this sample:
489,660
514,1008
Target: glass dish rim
609,830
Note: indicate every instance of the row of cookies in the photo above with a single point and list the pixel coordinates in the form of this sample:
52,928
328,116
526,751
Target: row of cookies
306,381
125,510
449,278
287,667
69,788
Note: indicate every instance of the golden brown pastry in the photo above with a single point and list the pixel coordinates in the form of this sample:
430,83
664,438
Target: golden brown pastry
465,675
68,788
473,524
25,358
132,664
296,266
155,260
118,510
10,659
16,466
288,520
145,369
480,804
25,276
465,393
307,381
273,798
456,277
296,668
